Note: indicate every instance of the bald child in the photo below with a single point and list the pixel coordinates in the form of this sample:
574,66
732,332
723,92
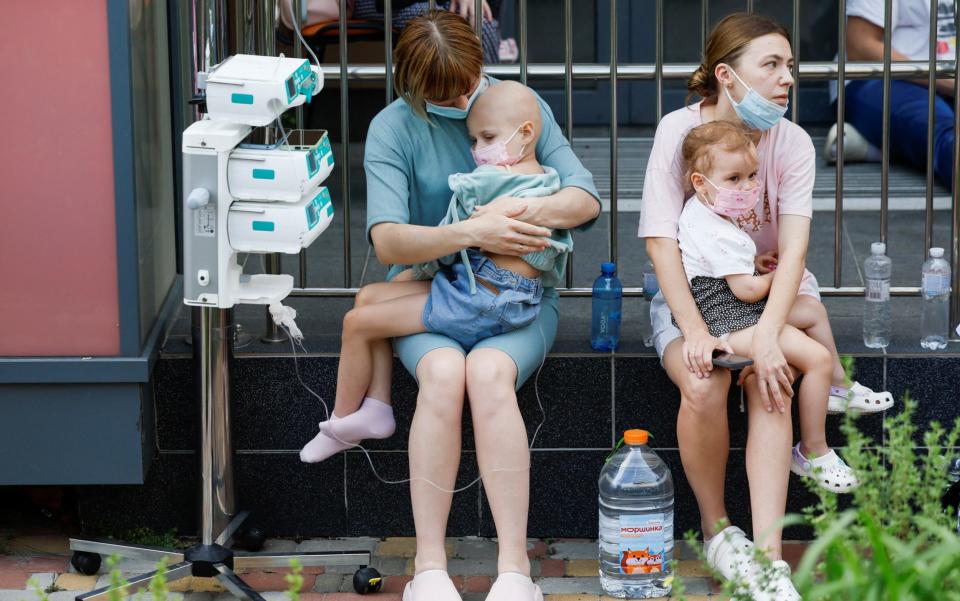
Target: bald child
467,296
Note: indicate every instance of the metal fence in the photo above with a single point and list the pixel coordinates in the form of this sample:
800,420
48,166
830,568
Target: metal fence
658,71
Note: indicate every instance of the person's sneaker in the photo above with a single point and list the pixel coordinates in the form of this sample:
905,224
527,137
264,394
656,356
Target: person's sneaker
784,585
856,148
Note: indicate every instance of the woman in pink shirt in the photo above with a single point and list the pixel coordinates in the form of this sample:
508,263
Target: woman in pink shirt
745,78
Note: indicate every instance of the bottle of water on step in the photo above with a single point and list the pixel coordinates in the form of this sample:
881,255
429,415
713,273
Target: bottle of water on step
935,288
607,305
876,306
636,521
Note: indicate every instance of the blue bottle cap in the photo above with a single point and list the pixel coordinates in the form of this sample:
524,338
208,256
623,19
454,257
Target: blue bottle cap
608,268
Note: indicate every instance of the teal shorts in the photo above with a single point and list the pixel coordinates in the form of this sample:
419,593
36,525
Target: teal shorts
527,346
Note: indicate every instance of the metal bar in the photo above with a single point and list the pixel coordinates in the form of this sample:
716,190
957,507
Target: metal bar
282,560
298,51
614,150
749,6
130,551
213,344
524,57
885,144
433,4
795,100
478,19
931,104
704,27
955,210
568,93
388,47
227,535
345,142
838,291
137,583
235,584
809,70
272,334
658,58
841,116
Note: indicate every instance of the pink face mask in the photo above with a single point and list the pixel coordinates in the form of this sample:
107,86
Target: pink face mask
734,203
497,153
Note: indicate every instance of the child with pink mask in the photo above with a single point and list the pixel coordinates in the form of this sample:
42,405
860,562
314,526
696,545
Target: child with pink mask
718,258
470,295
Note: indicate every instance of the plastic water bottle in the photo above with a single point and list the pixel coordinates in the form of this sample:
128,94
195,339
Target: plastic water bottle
935,288
876,306
636,521
951,497
650,285
607,305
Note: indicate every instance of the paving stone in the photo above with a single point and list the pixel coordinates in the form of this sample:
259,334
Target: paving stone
472,567
571,597
39,543
574,550
390,566
328,583
356,597
406,546
17,595
275,581
570,585
198,597
13,580
314,545
693,568
196,584
395,584
475,548
552,568
279,545
44,580
537,549
77,582
582,567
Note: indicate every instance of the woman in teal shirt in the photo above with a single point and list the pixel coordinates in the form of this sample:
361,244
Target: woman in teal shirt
413,145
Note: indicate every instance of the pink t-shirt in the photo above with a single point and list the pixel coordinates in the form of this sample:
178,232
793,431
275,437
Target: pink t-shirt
787,169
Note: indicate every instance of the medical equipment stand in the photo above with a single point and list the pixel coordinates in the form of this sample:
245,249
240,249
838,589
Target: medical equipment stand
220,522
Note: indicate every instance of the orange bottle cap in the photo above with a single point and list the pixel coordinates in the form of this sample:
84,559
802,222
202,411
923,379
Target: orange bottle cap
634,437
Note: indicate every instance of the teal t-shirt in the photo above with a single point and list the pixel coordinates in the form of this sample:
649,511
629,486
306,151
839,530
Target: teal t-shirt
407,163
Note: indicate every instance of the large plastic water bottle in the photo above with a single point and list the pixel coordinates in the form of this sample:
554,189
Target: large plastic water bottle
607,306
650,284
636,521
876,306
935,288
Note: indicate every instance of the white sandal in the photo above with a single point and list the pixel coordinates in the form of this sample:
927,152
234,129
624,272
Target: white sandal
858,399
830,471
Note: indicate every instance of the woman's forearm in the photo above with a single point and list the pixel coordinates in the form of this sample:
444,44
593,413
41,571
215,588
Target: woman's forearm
793,240
405,244
665,254
568,208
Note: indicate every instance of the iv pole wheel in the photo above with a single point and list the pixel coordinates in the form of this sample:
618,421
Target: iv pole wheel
86,563
367,580
253,539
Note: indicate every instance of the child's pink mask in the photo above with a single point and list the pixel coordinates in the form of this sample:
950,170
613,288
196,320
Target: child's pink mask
734,203
497,153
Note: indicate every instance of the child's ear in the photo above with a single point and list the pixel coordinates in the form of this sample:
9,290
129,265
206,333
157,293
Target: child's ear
527,131
699,183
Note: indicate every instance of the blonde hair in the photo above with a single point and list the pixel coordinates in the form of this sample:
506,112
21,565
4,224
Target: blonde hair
438,57
717,135
726,44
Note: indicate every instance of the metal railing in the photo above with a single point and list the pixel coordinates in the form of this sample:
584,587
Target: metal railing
658,71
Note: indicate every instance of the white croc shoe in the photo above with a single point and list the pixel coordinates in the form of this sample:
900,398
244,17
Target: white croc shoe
830,471
858,399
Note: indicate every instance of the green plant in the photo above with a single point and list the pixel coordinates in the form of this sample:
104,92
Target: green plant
41,593
895,542
146,536
294,580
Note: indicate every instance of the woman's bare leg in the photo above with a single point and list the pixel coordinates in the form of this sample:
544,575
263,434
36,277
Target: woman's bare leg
385,310
502,452
434,450
703,434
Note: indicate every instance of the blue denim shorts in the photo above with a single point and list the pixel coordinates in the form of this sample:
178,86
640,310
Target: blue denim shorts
468,318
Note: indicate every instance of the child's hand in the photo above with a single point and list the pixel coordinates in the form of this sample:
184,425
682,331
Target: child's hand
504,205
766,262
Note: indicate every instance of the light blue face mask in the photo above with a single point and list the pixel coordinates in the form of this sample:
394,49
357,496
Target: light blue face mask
755,110
452,112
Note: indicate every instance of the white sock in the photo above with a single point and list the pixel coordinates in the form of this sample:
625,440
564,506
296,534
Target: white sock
374,419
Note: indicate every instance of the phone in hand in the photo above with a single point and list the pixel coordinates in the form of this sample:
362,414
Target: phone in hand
730,361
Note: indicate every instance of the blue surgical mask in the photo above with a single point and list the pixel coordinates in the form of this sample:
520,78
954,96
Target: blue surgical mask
755,110
452,112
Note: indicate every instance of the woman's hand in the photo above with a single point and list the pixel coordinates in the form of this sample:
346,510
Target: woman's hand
766,262
504,205
774,376
503,234
698,348
466,9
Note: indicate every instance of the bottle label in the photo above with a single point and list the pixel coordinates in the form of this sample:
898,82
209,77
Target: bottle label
878,291
935,284
641,543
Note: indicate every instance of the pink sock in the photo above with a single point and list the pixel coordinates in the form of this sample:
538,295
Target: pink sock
323,445
374,419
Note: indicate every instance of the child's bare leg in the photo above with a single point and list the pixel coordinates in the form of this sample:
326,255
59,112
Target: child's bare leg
809,314
366,362
385,310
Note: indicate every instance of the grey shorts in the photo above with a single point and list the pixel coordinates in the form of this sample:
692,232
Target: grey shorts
527,346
